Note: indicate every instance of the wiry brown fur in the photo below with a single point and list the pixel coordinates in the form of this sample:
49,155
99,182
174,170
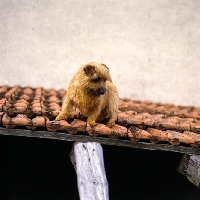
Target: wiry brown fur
91,90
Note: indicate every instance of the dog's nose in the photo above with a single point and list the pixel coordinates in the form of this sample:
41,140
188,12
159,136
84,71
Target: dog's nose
102,91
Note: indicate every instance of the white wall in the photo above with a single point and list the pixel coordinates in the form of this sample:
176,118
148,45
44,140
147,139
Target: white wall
152,47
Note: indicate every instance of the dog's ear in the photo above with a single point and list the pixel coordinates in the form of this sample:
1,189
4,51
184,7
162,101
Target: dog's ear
104,66
89,70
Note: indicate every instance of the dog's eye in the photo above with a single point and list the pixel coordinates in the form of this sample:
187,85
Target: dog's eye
96,80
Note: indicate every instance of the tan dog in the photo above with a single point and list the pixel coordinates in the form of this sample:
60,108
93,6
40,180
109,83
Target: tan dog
93,93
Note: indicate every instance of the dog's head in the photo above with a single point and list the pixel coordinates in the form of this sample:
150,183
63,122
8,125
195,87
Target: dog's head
96,77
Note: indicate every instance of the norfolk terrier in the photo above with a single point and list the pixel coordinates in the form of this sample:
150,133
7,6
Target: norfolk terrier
92,91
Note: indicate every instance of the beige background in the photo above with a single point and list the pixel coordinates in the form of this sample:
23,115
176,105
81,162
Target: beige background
152,47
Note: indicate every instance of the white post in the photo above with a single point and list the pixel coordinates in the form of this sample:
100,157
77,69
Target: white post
193,170
87,159
190,166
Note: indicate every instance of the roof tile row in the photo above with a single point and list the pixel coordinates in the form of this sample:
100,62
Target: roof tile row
137,120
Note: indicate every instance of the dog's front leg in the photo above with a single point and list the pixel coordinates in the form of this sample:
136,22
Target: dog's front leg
92,117
92,120
66,109
112,120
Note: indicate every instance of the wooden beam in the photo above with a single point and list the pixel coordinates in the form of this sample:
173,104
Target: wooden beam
183,164
87,159
193,170
189,166
102,140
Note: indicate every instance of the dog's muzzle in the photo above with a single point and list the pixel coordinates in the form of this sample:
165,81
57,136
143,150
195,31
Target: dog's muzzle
98,92
102,91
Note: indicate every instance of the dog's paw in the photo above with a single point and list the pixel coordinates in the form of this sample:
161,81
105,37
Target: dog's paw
110,124
91,123
61,116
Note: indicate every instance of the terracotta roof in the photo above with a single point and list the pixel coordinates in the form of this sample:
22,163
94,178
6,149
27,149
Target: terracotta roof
32,108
